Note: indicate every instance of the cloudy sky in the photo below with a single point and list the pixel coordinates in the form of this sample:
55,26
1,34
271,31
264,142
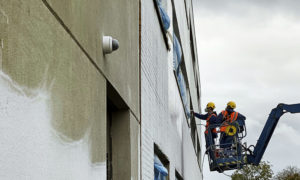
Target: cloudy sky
249,52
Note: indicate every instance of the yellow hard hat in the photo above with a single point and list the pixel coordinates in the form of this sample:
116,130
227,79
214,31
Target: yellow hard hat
210,105
231,104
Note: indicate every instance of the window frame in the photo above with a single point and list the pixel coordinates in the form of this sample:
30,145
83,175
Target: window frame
163,159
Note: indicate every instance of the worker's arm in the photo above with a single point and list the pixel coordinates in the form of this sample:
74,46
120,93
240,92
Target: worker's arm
200,116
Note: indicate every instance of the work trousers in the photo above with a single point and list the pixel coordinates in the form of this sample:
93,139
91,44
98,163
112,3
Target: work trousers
209,142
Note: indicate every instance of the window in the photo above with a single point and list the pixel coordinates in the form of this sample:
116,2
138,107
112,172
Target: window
187,10
164,19
161,165
194,132
178,176
179,68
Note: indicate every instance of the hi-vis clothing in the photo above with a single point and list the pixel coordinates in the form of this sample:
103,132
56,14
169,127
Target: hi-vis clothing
224,118
210,119
228,118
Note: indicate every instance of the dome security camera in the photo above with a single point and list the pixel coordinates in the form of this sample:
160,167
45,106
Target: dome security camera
109,44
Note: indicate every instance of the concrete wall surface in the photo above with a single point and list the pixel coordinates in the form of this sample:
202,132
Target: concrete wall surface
163,120
89,21
53,84
53,122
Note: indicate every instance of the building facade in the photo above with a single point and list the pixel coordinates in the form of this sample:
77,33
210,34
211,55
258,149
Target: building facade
70,111
169,89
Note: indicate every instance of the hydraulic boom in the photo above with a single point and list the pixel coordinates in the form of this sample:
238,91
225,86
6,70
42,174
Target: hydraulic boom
268,130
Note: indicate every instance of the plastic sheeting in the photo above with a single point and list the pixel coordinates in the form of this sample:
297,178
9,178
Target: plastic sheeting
164,16
184,93
177,54
160,172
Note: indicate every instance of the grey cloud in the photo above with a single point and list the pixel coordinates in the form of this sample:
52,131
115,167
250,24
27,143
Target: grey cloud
255,64
243,6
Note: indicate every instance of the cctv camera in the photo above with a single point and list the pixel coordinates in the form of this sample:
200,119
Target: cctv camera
109,44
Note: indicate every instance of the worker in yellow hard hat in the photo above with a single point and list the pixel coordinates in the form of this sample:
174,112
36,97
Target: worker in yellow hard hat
211,119
226,117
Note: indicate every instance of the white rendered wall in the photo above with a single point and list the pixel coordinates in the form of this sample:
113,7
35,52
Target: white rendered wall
30,148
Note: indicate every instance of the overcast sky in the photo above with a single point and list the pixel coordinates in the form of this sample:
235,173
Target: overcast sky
249,52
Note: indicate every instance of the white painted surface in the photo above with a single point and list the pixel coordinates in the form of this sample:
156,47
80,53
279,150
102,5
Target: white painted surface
30,148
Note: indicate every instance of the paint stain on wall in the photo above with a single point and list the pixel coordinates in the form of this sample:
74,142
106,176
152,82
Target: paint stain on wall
29,146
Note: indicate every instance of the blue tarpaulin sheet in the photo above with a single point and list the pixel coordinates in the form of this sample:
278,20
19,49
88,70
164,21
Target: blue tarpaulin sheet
164,16
160,172
177,54
183,92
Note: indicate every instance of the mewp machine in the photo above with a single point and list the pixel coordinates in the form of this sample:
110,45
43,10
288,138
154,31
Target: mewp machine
238,154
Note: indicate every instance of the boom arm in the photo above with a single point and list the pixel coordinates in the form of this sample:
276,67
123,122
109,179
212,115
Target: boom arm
268,130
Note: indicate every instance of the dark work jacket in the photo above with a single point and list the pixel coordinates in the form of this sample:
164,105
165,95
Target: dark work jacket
240,119
220,119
